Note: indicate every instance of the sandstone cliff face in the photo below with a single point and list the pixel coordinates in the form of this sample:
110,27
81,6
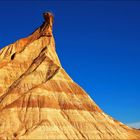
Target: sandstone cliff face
38,100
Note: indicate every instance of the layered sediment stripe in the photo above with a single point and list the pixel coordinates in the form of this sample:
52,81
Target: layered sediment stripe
49,101
58,97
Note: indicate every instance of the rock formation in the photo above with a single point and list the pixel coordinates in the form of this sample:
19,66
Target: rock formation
38,99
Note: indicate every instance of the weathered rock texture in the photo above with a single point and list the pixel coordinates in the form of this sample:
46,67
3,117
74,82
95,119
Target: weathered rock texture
38,100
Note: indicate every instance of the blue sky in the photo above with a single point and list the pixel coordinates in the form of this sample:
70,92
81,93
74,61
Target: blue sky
98,43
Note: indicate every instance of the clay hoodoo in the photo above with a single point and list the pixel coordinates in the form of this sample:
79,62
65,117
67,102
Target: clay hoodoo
38,99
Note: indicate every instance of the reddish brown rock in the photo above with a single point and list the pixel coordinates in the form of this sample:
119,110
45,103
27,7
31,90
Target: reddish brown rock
38,100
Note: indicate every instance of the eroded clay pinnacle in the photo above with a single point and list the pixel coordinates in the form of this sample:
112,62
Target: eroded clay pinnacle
46,28
48,17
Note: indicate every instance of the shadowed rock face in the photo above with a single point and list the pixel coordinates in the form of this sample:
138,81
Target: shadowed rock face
38,100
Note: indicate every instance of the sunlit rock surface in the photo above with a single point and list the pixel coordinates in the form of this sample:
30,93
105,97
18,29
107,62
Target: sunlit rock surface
38,99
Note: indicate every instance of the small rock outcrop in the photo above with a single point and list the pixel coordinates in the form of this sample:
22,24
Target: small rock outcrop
39,100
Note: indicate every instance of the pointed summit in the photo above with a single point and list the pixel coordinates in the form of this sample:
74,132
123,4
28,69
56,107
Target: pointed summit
46,28
39,100
48,17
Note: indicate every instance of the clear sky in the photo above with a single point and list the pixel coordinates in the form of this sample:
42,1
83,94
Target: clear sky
98,43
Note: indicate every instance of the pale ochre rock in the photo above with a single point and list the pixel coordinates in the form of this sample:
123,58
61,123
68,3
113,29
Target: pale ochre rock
38,99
